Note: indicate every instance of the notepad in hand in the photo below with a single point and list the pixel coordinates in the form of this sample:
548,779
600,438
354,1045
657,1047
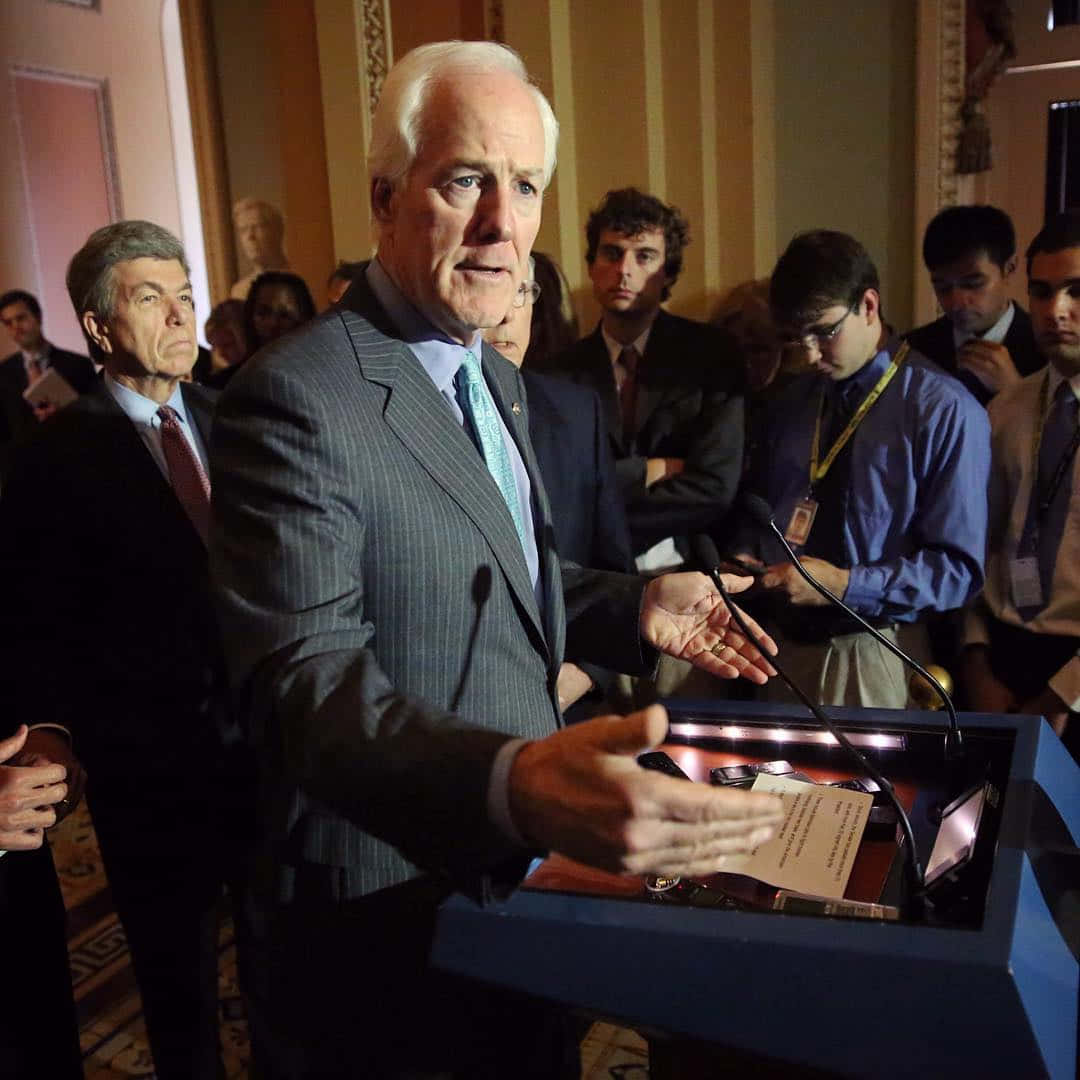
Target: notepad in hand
51,389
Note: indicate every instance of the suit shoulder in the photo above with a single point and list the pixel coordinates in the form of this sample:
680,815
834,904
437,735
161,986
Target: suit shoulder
932,339
934,388
570,396
588,348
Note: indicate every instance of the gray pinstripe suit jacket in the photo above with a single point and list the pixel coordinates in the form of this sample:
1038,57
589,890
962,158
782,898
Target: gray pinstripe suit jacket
353,517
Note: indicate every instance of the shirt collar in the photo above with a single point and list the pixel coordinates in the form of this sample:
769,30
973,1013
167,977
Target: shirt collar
142,411
439,356
42,354
1056,379
615,348
995,334
864,379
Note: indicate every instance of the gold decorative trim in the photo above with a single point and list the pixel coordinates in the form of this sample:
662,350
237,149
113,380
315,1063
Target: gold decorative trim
376,48
951,90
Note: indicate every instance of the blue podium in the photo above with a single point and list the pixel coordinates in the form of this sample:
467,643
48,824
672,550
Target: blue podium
994,995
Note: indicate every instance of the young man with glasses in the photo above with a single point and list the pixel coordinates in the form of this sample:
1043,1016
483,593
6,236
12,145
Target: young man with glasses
875,465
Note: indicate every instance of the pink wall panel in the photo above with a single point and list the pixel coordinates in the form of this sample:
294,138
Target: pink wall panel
65,166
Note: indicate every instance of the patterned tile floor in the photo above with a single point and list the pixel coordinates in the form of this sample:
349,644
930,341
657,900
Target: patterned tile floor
111,1029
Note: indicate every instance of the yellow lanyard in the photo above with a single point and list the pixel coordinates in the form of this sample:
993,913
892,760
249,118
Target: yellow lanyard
817,472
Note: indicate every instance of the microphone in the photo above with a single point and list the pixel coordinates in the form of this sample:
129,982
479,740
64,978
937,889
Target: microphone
760,511
705,552
481,591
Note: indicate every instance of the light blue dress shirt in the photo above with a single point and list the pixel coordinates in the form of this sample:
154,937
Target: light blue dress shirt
915,518
142,412
440,358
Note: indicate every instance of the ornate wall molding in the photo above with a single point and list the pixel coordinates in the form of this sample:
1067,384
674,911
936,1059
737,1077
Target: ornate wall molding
951,92
939,82
377,52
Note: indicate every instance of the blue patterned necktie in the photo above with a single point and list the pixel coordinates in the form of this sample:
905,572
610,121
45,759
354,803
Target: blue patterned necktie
481,412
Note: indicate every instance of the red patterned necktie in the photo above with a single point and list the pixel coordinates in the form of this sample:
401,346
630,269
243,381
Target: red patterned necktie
186,474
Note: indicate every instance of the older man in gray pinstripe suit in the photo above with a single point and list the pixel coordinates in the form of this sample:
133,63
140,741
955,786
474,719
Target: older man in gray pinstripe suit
396,615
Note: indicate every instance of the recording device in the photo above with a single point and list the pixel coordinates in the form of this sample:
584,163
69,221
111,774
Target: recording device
761,512
743,776
660,762
706,554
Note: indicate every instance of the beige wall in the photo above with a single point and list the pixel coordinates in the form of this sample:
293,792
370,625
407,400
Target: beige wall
655,93
844,115
122,43
273,123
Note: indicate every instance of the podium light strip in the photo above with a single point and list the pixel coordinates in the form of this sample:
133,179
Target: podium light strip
700,730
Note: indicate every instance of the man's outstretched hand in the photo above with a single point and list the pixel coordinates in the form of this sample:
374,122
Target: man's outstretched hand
685,616
581,792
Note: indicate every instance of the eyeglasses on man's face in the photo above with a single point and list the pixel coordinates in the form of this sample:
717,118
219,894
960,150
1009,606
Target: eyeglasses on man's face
527,290
821,335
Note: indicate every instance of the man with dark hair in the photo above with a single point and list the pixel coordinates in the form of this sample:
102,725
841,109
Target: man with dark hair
671,388
344,274
1023,632
983,338
875,464
20,315
109,628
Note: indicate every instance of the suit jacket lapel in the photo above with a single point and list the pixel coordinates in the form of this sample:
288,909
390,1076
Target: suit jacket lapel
600,376
651,391
417,414
200,407
147,484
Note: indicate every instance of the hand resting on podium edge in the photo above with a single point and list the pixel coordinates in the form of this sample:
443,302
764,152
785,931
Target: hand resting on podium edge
581,792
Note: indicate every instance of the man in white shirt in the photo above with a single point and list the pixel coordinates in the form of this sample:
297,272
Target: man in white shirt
1022,634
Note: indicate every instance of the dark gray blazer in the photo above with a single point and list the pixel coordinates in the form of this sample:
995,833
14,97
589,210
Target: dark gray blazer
369,572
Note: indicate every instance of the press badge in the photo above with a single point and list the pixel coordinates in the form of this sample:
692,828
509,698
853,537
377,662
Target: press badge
802,520
1026,583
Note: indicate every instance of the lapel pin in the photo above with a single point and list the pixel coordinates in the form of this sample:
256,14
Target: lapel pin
515,408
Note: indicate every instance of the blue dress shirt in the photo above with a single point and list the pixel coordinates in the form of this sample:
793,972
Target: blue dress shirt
914,520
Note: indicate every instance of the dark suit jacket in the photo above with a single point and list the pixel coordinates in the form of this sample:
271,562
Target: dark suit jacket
17,419
935,341
690,406
108,617
572,447
369,575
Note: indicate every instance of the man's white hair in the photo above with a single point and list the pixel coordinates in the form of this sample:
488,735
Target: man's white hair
396,127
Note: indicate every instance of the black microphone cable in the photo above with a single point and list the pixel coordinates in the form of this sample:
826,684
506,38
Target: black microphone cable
761,512
705,551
